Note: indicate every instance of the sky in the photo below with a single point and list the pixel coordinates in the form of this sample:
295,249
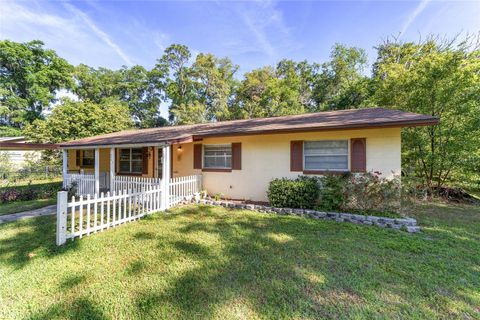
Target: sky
252,33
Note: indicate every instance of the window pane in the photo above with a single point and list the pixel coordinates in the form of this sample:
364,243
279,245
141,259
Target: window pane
124,154
137,154
326,155
88,158
124,166
137,166
326,147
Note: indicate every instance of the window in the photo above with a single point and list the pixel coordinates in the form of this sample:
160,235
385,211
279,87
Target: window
326,155
85,158
88,159
217,156
131,160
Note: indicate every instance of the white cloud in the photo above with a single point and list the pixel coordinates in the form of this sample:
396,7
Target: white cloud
97,31
413,15
68,31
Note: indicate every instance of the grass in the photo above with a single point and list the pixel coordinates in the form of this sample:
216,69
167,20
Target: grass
20,206
210,262
25,183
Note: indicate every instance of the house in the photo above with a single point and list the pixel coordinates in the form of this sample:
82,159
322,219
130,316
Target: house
239,158
19,150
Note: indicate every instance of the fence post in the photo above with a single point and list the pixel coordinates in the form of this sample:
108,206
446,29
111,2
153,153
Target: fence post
62,217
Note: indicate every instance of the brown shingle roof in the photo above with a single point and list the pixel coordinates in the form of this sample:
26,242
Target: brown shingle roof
321,121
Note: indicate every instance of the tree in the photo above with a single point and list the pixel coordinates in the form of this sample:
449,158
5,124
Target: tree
75,120
136,86
215,84
341,83
30,76
441,79
179,87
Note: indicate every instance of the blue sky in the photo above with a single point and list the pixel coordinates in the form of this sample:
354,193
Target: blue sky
252,33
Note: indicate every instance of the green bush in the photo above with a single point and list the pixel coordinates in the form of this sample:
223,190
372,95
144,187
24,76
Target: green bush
332,192
301,193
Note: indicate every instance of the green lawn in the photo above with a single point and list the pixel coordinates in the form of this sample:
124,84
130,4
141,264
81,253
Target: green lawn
20,206
206,262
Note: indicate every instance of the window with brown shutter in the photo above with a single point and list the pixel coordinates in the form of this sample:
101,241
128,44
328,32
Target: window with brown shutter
236,156
358,147
296,155
197,156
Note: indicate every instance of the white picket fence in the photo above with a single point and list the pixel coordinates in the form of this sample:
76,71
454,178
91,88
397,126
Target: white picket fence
184,187
134,184
85,182
85,215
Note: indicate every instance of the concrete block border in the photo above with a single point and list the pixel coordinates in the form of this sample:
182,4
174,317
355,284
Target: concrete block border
406,224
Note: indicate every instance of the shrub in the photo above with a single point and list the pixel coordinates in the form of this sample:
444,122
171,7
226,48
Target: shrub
332,192
29,192
9,195
371,192
302,192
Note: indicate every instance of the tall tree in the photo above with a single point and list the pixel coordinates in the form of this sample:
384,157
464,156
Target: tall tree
440,79
30,77
179,86
341,83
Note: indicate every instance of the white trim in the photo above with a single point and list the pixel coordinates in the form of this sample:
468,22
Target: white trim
118,146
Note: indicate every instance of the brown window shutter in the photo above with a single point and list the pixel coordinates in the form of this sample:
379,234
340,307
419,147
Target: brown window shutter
77,158
237,156
197,156
358,148
145,160
117,160
296,155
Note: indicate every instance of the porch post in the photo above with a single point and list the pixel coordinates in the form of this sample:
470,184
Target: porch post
112,169
65,167
166,176
97,170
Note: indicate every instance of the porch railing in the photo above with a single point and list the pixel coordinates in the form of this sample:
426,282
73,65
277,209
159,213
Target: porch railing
85,182
134,184
184,187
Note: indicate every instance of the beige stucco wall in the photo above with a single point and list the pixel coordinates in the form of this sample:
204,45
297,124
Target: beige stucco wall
265,157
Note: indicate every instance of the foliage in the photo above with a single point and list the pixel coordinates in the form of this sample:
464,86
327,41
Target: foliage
441,79
341,83
370,192
302,192
7,131
74,120
29,192
332,192
30,75
136,86
72,189
6,165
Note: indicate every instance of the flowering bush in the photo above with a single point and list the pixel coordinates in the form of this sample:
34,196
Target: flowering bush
371,192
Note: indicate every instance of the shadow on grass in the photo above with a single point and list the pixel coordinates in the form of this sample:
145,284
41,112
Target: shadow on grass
81,308
282,267
30,237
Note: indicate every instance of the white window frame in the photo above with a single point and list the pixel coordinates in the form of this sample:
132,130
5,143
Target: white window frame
328,170
217,145
129,161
